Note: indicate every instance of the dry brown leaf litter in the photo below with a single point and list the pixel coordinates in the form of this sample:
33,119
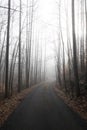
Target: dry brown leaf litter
78,105
7,106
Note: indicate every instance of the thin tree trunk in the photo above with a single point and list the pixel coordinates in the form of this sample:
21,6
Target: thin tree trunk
19,65
75,64
7,51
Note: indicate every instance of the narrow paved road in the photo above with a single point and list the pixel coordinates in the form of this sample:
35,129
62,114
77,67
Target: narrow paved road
43,110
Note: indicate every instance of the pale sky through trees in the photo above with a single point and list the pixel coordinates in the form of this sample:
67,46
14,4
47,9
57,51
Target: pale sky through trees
44,35
45,26
43,58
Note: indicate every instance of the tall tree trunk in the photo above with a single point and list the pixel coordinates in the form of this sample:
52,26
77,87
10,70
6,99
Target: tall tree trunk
19,65
75,65
86,36
7,51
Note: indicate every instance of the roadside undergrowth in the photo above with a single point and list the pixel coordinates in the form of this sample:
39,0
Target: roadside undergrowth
79,105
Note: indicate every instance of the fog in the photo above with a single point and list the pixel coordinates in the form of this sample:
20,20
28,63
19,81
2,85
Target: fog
43,56
44,28
41,24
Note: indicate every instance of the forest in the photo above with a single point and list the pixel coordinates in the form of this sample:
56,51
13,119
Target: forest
43,54
19,60
22,61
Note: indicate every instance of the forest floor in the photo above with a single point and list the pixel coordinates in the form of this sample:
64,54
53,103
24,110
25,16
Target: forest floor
79,105
8,105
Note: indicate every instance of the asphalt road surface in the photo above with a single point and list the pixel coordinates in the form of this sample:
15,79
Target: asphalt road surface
42,109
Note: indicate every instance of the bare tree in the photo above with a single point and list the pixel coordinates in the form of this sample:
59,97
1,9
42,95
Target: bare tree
7,50
19,65
75,64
